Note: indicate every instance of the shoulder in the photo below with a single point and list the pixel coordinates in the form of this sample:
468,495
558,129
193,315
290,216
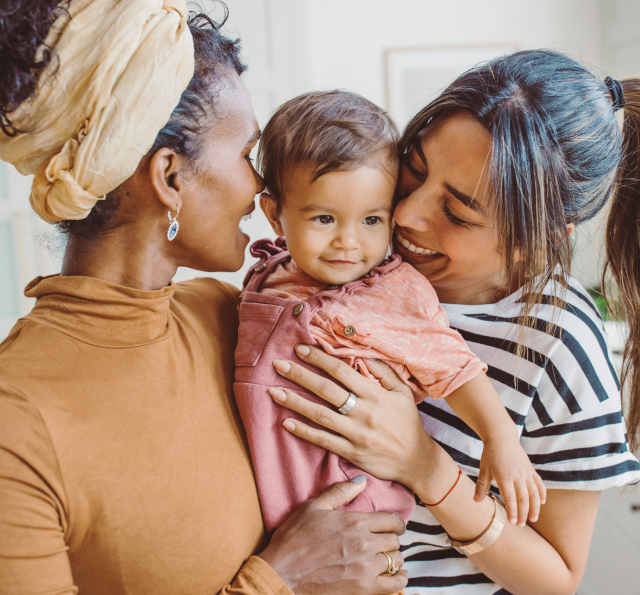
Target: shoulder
209,307
206,297
206,289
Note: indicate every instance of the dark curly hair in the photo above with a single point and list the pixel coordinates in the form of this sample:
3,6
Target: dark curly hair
26,27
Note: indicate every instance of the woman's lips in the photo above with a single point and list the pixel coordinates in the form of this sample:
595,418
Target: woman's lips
413,248
247,214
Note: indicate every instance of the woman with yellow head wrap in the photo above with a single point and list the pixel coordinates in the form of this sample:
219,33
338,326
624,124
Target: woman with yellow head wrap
123,465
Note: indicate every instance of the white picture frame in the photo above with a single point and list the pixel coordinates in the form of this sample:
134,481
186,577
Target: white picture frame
414,76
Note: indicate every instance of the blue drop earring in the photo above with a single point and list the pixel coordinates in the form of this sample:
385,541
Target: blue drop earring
174,226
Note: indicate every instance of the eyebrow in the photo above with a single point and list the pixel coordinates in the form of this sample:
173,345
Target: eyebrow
465,199
328,209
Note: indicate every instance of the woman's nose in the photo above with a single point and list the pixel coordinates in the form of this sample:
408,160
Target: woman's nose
414,212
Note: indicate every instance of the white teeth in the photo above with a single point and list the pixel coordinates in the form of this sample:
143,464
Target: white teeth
246,217
409,246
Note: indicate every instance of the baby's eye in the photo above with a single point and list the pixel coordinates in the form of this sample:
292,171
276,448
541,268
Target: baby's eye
325,219
372,220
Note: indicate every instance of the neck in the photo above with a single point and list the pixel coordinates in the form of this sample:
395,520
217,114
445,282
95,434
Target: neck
128,255
487,291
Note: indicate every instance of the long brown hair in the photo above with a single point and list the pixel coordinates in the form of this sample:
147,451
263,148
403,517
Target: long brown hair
555,153
623,253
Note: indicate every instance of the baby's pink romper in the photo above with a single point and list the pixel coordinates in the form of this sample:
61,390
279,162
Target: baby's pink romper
391,314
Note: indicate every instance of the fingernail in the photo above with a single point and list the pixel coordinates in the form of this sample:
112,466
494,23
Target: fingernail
513,521
359,479
278,394
289,425
534,519
521,524
282,365
303,349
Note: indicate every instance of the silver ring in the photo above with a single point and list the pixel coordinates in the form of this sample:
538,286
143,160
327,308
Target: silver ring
348,405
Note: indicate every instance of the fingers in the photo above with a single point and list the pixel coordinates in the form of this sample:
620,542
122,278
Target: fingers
387,377
335,368
337,495
523,501
385,522
483,484
534,500
510,499
382,562
336,444
541,488
315,412
323,387
391,584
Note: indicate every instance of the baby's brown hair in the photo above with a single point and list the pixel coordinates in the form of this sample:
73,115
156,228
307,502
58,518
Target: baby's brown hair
326,131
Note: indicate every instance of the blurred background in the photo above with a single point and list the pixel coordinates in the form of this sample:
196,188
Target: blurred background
398,54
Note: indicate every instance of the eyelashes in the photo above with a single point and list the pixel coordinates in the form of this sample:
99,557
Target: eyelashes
451,217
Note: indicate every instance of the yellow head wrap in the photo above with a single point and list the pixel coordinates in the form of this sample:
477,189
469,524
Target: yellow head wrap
121,68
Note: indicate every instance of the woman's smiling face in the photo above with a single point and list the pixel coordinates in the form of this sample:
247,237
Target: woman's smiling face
445,223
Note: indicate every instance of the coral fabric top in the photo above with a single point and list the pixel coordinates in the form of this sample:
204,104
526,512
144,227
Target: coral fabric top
395,317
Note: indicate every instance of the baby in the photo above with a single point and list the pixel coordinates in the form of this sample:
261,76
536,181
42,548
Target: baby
330,162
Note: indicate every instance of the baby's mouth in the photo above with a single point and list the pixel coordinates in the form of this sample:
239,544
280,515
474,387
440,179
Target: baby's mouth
341,263
413,248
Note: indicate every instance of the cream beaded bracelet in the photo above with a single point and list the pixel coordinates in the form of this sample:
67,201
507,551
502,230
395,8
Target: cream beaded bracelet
488,536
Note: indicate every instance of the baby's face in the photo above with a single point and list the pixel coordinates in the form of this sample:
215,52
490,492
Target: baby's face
337,228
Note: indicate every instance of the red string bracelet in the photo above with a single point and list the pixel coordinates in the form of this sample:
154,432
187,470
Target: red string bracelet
451,490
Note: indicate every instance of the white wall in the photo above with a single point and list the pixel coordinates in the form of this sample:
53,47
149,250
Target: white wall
348,37
327,44
296,45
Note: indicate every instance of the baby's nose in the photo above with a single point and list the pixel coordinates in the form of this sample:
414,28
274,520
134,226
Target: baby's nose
346,240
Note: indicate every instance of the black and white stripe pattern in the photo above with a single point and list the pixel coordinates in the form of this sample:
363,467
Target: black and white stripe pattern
564,396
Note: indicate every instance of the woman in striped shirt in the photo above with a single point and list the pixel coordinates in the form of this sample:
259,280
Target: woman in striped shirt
498,170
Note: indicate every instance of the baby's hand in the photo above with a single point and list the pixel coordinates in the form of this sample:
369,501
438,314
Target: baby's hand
521,488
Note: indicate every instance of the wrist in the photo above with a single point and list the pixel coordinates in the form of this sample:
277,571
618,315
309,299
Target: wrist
435,476
501,436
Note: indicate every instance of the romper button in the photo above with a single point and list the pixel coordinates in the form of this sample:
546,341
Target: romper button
297,309
349,331
261,267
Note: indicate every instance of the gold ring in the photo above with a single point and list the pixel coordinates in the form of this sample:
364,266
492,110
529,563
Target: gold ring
392,569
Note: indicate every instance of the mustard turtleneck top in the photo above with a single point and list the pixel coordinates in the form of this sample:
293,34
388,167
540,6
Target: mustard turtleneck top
123,465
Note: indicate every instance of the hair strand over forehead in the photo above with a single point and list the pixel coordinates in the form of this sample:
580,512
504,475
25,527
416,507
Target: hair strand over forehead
326,131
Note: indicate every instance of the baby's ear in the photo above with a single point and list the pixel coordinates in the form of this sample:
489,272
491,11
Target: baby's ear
270,209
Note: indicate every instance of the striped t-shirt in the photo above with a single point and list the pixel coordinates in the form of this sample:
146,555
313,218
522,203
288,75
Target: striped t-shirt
564,395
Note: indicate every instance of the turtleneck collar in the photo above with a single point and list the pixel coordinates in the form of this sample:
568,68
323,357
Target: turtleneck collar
102,313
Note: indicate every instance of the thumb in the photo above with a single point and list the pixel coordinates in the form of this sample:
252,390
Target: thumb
483,484
385,374
340,493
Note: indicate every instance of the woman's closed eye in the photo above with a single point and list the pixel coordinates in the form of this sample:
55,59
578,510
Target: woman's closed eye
449,215
324,219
